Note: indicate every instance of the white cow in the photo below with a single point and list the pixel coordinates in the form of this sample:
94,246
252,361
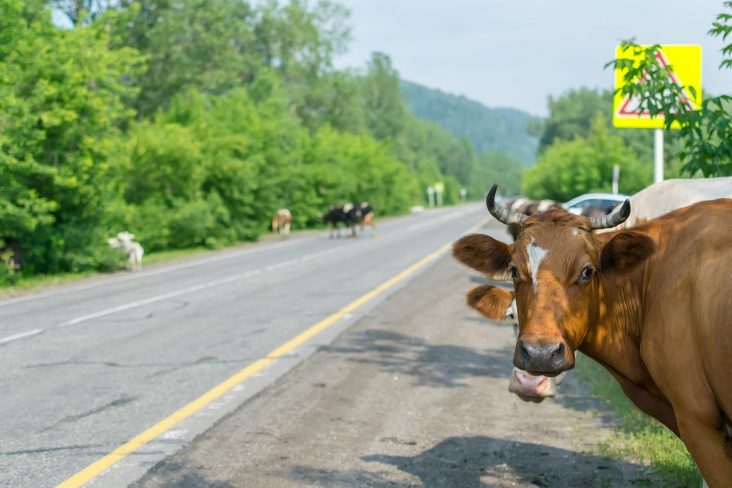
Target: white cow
132,250
666,196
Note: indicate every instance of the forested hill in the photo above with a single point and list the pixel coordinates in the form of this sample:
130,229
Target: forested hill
488,129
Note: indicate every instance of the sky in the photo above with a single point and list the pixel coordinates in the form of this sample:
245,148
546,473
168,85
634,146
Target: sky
517,53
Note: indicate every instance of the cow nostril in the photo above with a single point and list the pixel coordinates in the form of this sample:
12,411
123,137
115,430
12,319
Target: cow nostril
558,353
525,355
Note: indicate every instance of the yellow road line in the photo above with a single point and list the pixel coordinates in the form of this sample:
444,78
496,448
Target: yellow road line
99,466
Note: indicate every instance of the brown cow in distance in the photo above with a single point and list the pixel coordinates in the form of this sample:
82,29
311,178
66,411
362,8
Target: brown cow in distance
281,221
651,304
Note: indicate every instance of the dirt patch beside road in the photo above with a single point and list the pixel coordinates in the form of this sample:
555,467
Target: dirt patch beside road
414,394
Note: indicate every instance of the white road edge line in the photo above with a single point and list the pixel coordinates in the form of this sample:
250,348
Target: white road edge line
144,274
191,289
20,335
201,286
112,280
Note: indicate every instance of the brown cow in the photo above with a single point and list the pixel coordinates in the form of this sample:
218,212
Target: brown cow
527,206
651,304
281,221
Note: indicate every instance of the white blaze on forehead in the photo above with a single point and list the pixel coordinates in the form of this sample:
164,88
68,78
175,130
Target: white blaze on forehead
536,256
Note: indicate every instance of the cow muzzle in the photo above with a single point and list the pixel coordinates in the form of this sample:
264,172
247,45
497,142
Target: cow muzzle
531,388
543,357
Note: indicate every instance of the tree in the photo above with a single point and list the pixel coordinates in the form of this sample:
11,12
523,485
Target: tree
706,133
202,44
570,168
386,112
571,116
63,94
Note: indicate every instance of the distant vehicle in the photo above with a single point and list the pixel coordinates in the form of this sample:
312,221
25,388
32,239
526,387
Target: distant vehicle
594,204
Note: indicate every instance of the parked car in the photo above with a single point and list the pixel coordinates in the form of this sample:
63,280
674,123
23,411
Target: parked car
594,204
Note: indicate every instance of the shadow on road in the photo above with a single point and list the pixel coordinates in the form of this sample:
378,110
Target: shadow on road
179,476
438,365
478,461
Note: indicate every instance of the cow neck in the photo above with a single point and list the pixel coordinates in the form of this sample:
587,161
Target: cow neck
614,337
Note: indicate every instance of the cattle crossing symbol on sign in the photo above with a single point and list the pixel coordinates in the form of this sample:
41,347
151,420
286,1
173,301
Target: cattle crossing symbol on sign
685,63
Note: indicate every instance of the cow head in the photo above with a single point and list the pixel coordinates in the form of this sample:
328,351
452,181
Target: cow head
556,265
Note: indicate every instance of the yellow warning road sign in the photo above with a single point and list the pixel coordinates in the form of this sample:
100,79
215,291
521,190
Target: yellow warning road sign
685,62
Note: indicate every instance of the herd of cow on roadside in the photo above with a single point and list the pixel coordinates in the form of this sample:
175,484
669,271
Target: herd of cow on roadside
644,291
353,217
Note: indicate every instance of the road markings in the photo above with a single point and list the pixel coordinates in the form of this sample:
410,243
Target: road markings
21,335
145,274
158,298
168,269
220,281
191,289
101,465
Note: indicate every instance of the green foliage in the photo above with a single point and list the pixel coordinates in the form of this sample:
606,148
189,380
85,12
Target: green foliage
582,165
499,168
503,130
189,123
706,133
571,116
62,98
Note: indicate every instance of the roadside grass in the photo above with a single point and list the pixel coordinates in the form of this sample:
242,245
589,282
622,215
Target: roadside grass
640,437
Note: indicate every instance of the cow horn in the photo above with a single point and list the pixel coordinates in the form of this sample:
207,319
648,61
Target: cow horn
502,214
615,218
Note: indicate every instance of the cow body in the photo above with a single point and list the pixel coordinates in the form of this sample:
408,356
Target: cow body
651,304
668,195
366,213
281,221
351,216
132,250
334,216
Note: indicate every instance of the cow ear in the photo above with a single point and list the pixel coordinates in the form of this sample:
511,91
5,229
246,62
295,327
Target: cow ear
482,253
626,250
491,301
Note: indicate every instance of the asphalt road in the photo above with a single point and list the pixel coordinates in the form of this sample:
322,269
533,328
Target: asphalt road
412,395
86,367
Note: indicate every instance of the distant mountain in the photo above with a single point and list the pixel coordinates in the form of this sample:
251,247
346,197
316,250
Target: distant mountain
488,129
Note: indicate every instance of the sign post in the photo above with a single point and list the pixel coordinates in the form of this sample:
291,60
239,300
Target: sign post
684,62
439,189
431,196
657,155
616,177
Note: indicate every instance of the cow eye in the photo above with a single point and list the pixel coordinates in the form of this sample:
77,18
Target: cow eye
514,272
586,274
